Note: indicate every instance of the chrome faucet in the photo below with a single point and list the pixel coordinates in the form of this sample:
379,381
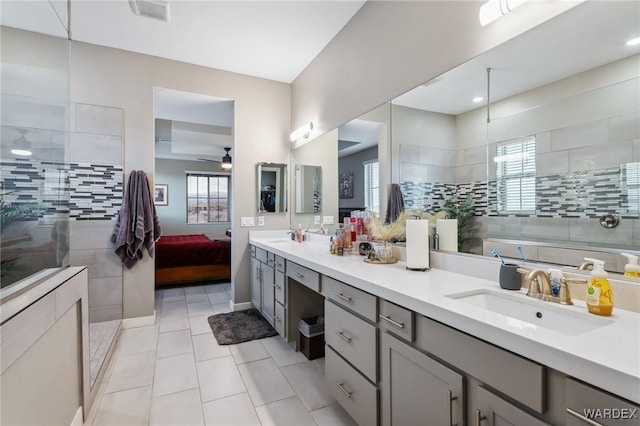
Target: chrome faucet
538,276
586,266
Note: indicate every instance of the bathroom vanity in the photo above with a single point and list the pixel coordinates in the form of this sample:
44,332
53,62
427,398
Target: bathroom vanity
405,346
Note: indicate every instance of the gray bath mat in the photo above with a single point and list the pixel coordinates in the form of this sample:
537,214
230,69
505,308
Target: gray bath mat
240,326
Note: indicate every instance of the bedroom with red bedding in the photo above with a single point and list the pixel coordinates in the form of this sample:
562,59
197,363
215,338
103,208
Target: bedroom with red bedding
192,258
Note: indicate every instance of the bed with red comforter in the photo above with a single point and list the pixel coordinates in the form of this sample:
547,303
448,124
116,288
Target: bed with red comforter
191,258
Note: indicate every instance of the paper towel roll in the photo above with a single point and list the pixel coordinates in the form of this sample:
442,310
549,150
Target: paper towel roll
417,244
447,230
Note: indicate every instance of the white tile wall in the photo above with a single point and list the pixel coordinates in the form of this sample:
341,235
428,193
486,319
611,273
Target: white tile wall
600,157
84,146
99,119
589,134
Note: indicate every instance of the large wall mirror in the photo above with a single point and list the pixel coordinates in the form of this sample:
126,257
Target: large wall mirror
308,189
272,187
556,149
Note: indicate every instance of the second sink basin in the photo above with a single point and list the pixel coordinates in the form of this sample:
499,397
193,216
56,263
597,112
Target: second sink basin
533,313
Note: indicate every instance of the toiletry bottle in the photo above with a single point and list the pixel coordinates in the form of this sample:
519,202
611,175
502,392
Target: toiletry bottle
299,233
599,294
331,245
631,269
556,276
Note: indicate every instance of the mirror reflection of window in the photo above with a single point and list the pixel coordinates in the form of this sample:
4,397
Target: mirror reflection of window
372,186
516,176
631,173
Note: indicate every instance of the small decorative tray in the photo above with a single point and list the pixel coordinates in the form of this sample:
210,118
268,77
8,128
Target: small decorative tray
380,262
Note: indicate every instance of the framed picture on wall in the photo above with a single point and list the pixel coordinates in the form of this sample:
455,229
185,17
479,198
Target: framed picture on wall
346,185
161,195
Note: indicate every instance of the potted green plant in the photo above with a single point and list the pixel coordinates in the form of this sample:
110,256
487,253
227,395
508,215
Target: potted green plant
464,212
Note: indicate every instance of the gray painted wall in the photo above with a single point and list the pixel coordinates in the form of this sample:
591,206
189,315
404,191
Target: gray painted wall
354,163
390,47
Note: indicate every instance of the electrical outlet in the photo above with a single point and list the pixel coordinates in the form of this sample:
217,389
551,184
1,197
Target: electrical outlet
246,221
316,220
327,220
260,220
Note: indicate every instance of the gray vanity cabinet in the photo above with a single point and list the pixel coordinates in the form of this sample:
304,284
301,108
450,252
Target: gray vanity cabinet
491,410
416,389
256,283
586,405
268,290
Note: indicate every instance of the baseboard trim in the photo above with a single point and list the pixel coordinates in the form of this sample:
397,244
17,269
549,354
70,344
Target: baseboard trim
77,419
240,306
139,321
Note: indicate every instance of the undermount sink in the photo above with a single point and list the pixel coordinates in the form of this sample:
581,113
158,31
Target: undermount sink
524,312
286,240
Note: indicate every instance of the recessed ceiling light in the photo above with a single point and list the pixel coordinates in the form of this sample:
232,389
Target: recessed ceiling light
633,41
477,99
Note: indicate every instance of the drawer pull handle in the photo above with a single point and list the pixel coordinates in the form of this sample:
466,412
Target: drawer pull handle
343,297
479,417
278,286
451,399
388,319
343,337
299,275
279,263
583,418
341,387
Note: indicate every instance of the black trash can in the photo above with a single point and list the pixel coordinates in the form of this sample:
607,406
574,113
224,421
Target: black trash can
312,337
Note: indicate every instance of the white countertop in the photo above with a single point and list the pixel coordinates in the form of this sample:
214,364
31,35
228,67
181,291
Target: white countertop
607,357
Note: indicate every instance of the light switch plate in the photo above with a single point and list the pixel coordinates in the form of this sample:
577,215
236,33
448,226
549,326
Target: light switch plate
316,220
327,220
260,220
246,221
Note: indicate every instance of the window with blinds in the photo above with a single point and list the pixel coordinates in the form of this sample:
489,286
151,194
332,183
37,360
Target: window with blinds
207,198
516,176
372,186
632,182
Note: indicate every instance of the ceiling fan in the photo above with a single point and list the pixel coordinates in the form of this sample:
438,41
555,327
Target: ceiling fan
226,160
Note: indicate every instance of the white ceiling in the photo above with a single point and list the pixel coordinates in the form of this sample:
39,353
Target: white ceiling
275,40
585,37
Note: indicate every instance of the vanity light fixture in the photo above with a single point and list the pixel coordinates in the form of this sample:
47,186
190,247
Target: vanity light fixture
226,160
494,9
478,99
303,131
633,42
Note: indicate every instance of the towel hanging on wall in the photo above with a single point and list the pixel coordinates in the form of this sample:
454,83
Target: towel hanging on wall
395,206
137,225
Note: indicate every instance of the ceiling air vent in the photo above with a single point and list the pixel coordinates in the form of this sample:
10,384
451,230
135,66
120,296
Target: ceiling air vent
156,9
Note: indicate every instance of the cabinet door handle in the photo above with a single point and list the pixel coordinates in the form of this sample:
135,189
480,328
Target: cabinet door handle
583,418
451,399
343,297
388,319
341,387
278,286
343,337
258,274
299,275
279,263
479,417
275,317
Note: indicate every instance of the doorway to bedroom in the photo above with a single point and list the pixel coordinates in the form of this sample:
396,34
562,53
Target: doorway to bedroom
193,164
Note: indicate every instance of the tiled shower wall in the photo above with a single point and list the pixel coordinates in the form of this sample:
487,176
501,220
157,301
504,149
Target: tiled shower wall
96,181
581,173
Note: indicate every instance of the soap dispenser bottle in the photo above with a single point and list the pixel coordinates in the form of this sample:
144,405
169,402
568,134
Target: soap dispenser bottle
631,269
299,234
599,294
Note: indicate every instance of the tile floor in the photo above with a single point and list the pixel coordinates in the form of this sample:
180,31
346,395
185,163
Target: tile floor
175,373
101,336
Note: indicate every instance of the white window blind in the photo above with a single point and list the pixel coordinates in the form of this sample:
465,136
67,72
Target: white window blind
372,186
516,176
633,186
207,198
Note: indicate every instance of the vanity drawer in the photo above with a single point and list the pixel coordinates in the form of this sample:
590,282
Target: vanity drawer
354,393
511,374
280,264
279,319
350,297
261,255
580,396
280,287
304,276
351,337
252,251
396,319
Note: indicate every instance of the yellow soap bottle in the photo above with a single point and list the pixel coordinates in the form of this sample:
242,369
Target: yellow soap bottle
631,269
599,294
